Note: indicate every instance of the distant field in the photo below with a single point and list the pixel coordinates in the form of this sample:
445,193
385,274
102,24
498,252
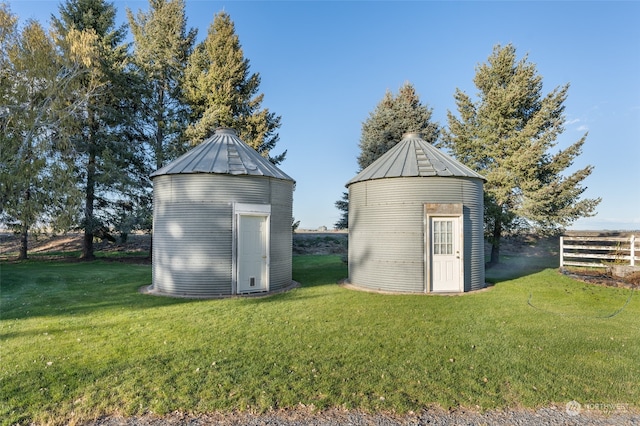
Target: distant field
79,342
70,245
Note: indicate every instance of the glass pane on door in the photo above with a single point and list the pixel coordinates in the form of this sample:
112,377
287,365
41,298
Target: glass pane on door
443,236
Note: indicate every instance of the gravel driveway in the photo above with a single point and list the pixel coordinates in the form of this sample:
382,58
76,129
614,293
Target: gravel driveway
541,417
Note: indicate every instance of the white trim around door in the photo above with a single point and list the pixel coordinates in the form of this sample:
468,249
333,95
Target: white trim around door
444,243
251,260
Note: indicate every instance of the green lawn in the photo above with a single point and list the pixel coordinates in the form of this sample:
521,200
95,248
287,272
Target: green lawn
78,341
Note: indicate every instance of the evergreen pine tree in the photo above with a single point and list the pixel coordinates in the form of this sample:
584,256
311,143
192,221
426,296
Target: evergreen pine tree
343,205
393,117
108,157
161,45
25,85
507,136
222,93
35,179
161,48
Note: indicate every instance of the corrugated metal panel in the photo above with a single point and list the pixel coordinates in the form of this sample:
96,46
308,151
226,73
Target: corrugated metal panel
223,153
193,231
386,230
206,188
411,157
281,234
191,248
386,239
474,236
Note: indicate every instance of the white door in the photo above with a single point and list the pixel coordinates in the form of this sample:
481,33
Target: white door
446,266
253,253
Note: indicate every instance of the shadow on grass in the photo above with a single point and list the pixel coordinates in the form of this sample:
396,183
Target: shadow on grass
45,288
58,288
141,257
518,266
318,270
523,255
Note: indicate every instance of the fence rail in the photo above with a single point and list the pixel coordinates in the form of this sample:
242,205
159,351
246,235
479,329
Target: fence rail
593,251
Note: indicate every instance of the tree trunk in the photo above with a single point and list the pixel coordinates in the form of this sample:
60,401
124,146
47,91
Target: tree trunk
159,148
89,225
24,232
24,240
495,243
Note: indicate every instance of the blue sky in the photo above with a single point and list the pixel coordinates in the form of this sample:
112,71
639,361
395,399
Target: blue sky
325,66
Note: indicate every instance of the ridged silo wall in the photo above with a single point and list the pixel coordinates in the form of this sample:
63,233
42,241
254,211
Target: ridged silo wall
193,231
281,234
386,230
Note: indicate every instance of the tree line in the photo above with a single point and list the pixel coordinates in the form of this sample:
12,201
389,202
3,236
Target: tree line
85,116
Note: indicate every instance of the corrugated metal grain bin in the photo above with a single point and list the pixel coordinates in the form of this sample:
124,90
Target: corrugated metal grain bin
416,222
221,222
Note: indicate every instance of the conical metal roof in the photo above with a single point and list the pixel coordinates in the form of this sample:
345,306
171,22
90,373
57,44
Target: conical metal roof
411,157
223,153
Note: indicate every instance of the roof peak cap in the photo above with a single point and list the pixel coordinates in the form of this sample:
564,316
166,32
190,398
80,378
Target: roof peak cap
225,131
412,135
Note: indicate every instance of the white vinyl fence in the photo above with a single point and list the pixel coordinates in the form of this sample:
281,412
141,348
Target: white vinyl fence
598,251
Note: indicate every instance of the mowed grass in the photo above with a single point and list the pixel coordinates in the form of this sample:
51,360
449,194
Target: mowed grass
79,342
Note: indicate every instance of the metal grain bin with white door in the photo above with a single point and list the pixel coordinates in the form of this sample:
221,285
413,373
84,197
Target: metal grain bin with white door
221,222
416,222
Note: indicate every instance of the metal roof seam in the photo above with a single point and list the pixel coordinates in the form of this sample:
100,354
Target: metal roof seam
413,156
223,153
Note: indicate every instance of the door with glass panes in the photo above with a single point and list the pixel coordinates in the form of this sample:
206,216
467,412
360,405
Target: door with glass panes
446,261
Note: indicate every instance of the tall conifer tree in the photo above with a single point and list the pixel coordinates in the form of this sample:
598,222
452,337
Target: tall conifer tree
383,129
222,93
393,117
36,178
101,137
507,135
162,45
161,48
26,90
